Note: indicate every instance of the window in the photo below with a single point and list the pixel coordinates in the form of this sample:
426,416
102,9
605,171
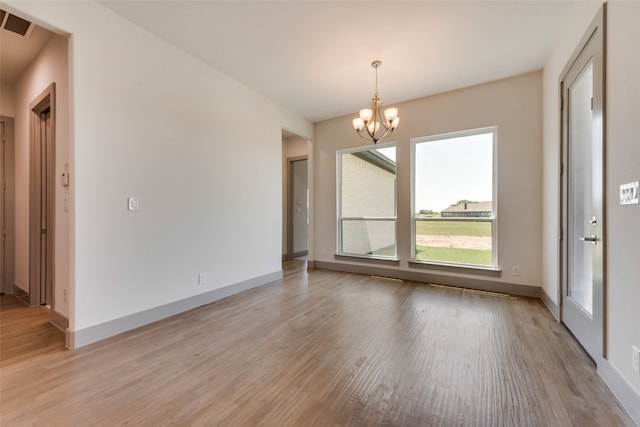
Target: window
367,201
454,203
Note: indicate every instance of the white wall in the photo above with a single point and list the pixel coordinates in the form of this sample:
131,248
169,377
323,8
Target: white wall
515,106
153,122
7,100
623,165
50,66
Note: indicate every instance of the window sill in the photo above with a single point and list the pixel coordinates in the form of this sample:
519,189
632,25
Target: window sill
367,259
454,268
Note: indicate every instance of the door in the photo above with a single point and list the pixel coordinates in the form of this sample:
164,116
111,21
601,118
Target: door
42,199
583,142
46,208
7,206
3,196
298,209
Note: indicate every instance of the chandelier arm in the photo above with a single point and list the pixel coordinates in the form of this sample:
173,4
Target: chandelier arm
386,134
369,138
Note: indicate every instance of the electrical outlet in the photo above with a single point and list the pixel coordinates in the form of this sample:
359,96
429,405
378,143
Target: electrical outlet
635,359
515,270
202,278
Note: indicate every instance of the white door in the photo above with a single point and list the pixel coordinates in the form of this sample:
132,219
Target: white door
582,86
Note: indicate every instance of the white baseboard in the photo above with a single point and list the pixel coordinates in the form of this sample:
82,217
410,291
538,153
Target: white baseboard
551,306
58,320
419,275
82,337
621,389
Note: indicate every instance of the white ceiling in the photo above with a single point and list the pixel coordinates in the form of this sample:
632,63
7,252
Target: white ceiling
314,56
17,52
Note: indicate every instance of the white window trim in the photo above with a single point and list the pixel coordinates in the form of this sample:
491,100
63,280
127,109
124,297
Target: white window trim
339,218
494,201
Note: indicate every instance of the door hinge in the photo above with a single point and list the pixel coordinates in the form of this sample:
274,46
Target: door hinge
561,234
592,103
561,169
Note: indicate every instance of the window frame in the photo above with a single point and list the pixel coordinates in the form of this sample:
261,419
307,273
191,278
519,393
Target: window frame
494,202
340,219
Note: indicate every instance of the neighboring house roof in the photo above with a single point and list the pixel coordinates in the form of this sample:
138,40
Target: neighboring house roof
377,159
471,207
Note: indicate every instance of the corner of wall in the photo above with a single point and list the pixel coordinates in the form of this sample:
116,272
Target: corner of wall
553,308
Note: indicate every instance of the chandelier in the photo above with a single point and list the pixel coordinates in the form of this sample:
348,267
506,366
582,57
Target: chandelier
370,125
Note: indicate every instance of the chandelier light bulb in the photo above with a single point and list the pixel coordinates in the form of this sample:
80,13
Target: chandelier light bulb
390,114
366,114
373,127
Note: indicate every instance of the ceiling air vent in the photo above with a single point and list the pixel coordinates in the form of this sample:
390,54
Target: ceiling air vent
15,24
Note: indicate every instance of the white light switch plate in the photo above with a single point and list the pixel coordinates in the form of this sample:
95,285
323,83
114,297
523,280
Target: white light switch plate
629,193
133,203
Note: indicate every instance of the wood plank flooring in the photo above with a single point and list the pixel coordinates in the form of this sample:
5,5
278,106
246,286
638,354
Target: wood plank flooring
315,349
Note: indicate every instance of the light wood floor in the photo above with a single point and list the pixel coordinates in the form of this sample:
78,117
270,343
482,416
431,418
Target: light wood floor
317,349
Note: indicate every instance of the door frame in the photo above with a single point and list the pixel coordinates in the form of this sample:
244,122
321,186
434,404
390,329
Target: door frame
596,32
290,207
3,190
7,221
43,102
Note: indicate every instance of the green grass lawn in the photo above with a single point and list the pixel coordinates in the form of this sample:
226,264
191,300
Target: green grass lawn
446,254
453,228
455,255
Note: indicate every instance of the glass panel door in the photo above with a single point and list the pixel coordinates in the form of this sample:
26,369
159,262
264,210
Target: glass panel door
581,228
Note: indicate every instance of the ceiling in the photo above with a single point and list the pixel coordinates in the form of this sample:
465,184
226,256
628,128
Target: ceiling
314,56
17,52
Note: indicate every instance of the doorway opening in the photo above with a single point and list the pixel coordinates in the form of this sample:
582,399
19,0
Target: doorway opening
295,230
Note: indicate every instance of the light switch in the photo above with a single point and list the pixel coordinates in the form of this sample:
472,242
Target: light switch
64,178
133,203
629,193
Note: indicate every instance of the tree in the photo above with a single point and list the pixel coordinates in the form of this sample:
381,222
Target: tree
427,212
463,201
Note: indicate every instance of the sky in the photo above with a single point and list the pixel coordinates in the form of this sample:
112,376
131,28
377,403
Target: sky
448,170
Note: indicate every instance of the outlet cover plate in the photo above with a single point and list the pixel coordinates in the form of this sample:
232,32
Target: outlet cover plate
202,278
